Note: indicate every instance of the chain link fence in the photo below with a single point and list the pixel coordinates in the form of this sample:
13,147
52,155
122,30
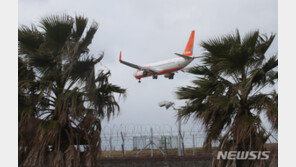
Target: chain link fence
117,140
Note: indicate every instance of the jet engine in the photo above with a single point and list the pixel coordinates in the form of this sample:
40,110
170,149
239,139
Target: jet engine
169,75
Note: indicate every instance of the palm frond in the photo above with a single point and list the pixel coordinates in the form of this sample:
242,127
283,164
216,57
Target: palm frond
29,39
86,41
57,30
79,27
264,43
81,69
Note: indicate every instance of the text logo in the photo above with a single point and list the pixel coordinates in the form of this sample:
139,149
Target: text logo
243,155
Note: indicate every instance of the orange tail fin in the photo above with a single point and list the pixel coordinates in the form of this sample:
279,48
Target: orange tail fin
189,47
120,57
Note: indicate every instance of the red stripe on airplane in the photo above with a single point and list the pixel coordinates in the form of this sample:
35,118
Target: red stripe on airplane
161,72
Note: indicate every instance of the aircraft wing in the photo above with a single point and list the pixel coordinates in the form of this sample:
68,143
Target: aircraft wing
137,66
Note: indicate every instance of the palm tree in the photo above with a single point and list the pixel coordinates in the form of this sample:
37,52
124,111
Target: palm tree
231,91
66,98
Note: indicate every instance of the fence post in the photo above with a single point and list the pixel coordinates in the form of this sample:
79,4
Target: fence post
183,147
122,145
165,146
110,144
179,137
193,145
151,143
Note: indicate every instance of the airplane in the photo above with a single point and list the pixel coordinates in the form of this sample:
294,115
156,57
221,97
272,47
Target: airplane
166,67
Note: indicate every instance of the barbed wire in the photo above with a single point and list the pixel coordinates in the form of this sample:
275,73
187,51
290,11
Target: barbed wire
135,136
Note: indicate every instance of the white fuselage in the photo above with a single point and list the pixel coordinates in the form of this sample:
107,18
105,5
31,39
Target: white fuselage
166,66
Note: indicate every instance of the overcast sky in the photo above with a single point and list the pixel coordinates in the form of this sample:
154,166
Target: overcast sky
153,30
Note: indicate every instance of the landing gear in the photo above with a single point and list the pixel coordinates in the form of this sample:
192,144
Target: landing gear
154,77
171,76
139,81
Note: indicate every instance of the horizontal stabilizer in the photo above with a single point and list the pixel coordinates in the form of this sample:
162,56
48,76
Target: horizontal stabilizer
185,57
